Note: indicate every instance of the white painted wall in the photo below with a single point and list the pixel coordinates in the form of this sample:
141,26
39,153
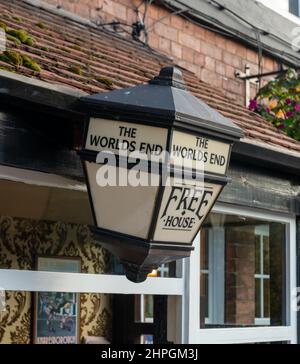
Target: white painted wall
277,5
281,7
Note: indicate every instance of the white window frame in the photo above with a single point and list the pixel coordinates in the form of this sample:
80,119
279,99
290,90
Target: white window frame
262,231
215,275
38,281
194,335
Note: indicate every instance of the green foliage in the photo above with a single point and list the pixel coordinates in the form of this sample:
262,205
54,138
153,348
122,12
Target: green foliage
279,103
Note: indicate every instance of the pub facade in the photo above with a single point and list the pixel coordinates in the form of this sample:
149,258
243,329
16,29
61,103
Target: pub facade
58,283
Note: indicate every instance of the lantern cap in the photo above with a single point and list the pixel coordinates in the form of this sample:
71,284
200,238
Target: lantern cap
164,102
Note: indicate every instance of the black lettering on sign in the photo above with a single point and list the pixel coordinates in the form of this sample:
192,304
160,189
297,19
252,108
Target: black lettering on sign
151,148
94,140
112,143
217,159
189,153
202,143
127,132
124,144
185,207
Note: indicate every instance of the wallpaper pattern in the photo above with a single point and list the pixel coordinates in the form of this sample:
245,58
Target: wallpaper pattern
21,241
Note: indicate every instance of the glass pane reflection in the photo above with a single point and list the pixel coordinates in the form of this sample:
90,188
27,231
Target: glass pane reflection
242,267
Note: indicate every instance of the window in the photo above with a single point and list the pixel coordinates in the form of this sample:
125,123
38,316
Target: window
242,279
144,304
242,272
294,7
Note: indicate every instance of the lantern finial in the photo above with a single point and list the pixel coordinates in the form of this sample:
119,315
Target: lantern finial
169,76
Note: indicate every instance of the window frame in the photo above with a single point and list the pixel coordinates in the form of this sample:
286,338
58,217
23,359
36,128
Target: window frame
262,277
215,274
195,335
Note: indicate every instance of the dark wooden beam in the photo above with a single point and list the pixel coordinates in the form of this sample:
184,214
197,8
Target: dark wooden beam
160,319
258,187
267,158
43,95
30,140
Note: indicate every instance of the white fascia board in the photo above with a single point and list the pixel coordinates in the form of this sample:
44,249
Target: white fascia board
40,179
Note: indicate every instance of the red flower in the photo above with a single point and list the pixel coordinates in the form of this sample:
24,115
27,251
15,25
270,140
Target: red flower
288,101
253,105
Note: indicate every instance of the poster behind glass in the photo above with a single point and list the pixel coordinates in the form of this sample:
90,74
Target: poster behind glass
56,314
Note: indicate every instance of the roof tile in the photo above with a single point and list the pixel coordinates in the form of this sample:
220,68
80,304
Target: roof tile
103,61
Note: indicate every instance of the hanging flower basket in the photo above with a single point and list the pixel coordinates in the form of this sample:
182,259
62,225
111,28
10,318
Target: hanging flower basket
279,103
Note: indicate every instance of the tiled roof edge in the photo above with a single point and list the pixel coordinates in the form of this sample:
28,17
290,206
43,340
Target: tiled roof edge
70,91
10,81
57,97
270,147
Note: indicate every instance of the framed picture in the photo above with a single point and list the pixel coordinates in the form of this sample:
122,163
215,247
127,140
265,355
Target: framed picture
57,314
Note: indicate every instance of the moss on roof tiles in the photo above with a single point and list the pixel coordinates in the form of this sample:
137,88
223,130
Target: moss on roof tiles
40,25
17,19
3,26
14,39
11,57
105,81
31,64
19,36
17,59
75,69
76,47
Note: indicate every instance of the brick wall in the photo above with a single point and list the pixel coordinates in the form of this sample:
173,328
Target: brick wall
239,276
213,57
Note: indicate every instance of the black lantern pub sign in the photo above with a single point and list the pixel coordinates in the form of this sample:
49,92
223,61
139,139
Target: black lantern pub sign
155,159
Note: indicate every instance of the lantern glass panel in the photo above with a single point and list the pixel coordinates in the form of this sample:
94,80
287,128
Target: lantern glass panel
124,209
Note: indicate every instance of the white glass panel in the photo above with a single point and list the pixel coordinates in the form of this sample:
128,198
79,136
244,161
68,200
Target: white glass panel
125,209
199,152
183,209
113,136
